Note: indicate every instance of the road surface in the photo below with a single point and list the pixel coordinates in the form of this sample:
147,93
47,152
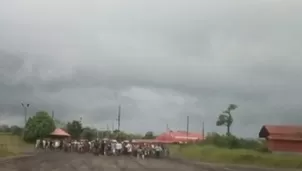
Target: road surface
60,161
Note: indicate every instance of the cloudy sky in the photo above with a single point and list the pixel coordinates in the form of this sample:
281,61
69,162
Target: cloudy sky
161,60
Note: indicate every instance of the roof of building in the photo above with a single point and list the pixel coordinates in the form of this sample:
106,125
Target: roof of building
281,132
59,132
175,136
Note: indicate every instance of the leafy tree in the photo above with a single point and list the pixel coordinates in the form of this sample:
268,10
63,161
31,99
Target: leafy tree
88,133
226,118
75,129
149,135
38,126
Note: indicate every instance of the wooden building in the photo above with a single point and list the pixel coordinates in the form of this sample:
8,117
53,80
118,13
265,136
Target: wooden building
282,138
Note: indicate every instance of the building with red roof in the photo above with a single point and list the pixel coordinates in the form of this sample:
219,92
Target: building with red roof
282,138
179,136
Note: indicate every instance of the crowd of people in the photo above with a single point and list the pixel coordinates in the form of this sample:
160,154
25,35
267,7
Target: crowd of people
107,147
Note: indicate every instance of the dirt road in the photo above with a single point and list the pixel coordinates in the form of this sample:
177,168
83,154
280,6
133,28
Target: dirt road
59,161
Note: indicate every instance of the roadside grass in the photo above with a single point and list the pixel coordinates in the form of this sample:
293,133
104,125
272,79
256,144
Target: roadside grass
11,145
208,153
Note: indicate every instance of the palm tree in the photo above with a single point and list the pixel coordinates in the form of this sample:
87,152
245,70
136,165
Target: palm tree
226,118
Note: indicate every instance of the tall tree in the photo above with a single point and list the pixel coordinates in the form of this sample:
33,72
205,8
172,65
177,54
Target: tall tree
74,128
226,118
38,126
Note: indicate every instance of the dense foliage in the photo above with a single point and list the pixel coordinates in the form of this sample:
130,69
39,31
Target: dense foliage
75,129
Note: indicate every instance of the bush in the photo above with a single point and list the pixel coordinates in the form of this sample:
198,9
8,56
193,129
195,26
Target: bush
233,142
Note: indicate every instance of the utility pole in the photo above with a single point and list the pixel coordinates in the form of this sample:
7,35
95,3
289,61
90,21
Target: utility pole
203,131
112,126
107,127
52,114
188,121
167,128
25,106
119,118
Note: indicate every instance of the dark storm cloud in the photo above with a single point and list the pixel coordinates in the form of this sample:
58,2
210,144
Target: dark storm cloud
161,61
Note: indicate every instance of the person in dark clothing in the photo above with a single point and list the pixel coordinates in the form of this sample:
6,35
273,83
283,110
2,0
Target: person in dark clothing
51,145
61,144
102,147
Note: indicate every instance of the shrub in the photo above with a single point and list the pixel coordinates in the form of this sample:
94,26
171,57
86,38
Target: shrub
233,142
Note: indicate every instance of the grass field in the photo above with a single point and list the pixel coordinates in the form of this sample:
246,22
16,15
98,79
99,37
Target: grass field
11,145
207,153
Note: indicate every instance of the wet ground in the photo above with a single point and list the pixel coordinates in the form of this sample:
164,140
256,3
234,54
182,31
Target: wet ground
60,161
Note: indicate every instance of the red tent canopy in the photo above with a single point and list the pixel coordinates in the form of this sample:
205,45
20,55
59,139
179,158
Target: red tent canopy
179,136
60,132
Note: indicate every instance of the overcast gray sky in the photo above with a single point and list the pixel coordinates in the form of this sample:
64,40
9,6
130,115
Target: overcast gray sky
164,59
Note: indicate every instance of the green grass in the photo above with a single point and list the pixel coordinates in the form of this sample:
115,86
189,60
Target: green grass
11,145
207,153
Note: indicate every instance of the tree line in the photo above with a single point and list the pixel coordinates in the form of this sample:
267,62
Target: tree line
14,129
42,124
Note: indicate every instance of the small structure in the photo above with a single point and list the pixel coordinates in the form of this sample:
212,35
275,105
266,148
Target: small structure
282,138
179,136
60,133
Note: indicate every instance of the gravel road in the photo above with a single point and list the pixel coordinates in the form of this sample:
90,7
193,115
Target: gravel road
59,161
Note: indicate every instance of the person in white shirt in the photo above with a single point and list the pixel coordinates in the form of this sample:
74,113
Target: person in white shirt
118,147
113,148
129,148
